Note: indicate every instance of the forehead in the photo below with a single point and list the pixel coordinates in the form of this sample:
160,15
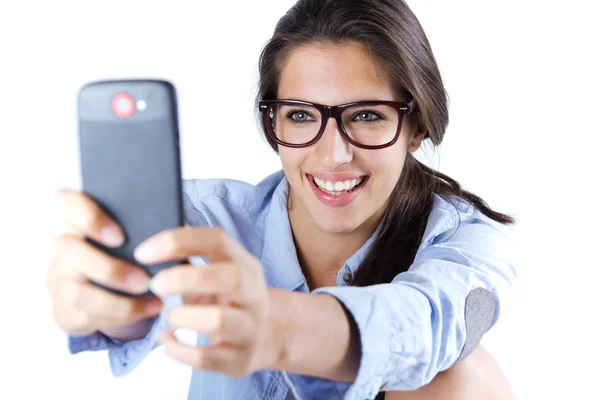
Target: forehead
333,74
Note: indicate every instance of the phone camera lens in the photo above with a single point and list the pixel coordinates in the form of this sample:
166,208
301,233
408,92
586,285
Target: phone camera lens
123,105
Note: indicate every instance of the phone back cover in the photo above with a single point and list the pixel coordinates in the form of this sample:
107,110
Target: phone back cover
131,167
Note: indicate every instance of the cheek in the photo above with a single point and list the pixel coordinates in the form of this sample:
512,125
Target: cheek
292,160
386,163
387,168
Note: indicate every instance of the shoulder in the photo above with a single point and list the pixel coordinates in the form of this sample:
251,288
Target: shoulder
219,202
453,218
458,232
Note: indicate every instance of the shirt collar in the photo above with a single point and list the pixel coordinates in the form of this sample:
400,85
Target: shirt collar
279,251
357,258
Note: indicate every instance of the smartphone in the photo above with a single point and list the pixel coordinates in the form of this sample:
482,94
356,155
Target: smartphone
130,160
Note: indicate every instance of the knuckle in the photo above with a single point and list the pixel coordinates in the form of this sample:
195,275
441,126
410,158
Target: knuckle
236,277
220,320
206,275
60,242
73,294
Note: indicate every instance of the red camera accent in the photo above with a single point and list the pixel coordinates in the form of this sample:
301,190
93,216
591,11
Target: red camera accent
123,105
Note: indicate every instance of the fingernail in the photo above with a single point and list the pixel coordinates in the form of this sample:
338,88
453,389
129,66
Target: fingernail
137,282
157,285
111,235
146,252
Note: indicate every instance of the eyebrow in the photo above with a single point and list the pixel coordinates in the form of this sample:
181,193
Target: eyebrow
374,98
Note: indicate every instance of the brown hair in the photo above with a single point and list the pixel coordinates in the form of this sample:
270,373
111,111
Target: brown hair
393,36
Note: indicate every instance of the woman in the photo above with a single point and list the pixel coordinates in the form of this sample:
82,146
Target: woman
353,271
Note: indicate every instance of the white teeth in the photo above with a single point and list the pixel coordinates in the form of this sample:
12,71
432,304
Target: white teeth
336,188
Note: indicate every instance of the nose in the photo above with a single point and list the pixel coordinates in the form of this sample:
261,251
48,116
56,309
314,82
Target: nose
332,149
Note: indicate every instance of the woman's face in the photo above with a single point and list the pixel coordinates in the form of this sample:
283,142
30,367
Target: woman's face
334,75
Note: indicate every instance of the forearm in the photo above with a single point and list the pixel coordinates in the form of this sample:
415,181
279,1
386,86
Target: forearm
320,338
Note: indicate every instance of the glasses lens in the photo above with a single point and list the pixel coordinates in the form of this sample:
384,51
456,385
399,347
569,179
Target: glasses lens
371,125
295,123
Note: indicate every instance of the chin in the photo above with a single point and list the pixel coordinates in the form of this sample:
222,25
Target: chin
332,224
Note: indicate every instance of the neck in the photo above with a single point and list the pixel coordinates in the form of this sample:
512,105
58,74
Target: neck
321,254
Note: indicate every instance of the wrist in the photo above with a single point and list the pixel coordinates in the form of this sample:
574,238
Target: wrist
281,327
312,334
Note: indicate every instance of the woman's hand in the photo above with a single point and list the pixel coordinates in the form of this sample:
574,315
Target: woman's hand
227,300
81,308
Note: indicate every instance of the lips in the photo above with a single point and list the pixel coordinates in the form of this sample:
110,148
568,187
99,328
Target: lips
337,198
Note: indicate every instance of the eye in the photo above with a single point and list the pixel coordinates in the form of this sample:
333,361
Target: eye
366,116
300,116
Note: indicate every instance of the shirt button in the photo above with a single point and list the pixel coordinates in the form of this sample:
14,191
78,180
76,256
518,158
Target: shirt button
347,278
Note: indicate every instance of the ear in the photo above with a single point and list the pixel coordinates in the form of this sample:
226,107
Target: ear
415,141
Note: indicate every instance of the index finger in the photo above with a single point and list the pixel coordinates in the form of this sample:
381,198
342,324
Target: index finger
86,217
79,259
182,243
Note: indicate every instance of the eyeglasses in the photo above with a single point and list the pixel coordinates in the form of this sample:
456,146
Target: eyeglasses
365,124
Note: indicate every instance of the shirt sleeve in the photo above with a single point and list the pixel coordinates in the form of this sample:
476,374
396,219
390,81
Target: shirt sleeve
428,317
124,357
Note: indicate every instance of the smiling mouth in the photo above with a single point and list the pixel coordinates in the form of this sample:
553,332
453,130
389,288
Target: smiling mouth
338,188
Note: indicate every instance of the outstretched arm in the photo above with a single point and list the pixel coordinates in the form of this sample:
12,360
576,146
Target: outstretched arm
347,342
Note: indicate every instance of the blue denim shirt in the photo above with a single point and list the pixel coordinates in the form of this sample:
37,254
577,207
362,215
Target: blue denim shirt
420,324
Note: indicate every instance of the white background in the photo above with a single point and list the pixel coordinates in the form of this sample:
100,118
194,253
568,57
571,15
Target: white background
522,79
